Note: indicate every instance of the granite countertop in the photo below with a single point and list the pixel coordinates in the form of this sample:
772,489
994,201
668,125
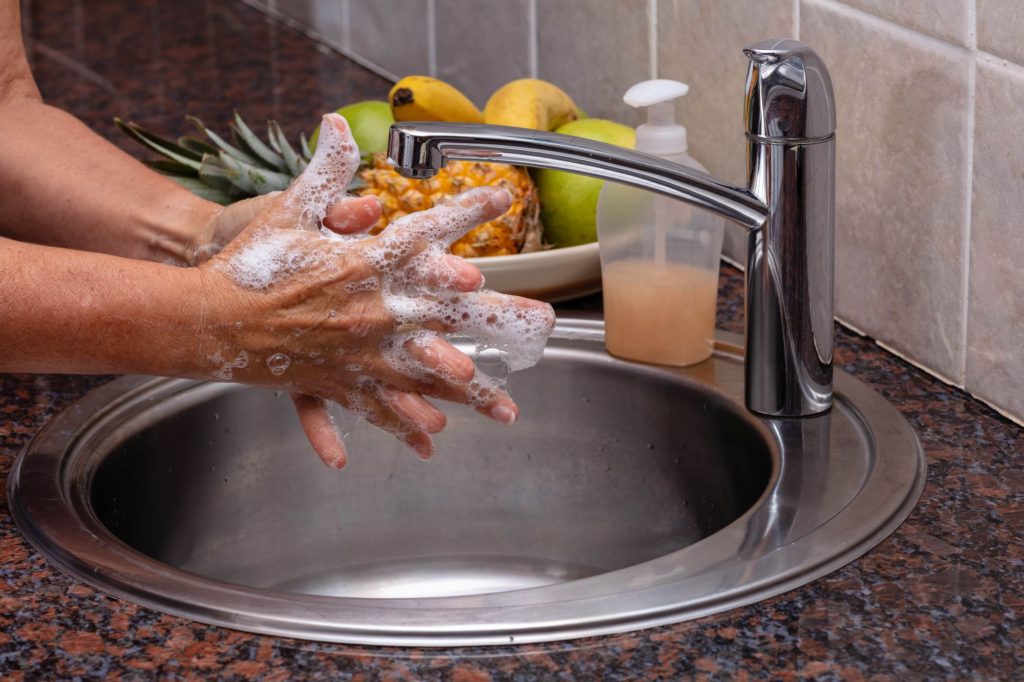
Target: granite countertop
941,598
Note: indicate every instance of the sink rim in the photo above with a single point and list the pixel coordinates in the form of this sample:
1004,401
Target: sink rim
54,515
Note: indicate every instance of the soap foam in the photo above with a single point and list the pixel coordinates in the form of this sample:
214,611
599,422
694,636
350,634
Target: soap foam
326,178
491,319
266,257
226,368
416,293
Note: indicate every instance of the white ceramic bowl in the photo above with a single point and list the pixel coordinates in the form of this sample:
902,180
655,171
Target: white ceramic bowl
553,275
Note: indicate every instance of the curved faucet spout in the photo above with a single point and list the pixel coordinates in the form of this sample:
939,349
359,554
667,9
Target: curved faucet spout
787,206
419,149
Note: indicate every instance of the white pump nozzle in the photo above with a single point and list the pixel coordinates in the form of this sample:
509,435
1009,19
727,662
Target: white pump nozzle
660,135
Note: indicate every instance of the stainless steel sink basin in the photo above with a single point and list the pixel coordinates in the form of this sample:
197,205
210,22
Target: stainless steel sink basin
627,496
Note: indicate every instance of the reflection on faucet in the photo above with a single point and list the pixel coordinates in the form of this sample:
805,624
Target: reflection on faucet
787,208
804,447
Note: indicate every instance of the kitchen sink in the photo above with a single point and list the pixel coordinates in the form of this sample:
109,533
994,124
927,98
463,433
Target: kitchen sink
626,496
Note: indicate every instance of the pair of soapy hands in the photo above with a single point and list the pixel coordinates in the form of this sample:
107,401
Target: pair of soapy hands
331,314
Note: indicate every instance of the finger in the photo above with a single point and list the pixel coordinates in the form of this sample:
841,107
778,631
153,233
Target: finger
325,180
414,410
483,394
433,367
433,271
368,402
421,443
244,211
441,225
439,357
320,429
494,320
353,215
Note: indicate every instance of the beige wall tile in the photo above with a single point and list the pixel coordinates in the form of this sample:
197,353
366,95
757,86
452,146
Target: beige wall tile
945,19
1001,28
700,42
482,44
594,51
901,185
326,17
393,34
995,329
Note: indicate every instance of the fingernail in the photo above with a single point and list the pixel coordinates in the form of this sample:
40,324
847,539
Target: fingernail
421,444
503,414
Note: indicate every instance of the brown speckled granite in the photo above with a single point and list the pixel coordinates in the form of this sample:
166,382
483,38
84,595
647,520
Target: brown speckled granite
941,598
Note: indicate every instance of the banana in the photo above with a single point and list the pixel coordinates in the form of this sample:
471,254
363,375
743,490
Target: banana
530,103
421,98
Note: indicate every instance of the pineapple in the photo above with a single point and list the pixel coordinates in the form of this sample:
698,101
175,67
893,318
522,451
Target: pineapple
517,231
225,172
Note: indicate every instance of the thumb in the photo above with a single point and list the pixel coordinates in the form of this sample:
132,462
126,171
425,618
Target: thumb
242,212
227,224
328,174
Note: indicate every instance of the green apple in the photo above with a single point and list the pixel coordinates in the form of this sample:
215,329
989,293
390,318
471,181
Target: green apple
568,202
369,121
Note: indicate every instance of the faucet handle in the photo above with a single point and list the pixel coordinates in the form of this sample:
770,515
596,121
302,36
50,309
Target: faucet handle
789,93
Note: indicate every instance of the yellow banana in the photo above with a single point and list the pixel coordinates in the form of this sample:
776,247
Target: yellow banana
530,103
421,98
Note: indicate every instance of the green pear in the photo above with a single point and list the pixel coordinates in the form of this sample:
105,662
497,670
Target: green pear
369,121
568,202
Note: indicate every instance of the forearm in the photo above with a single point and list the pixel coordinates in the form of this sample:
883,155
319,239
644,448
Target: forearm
66,186
74,312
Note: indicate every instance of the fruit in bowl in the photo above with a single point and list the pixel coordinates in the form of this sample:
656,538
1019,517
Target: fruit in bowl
241,164
569,201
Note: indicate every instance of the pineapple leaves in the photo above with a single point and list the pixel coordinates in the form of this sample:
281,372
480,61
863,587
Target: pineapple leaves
196,145
307,151
221,143
201,189
223,171
252,179
293,162
169,167
215,174
255,144
171,150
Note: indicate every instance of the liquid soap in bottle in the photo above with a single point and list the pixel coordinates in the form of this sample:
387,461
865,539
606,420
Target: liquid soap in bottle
659,256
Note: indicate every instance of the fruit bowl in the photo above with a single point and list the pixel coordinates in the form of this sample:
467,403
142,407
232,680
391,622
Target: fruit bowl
554,275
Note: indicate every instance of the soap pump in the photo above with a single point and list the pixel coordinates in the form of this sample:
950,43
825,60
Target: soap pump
659,256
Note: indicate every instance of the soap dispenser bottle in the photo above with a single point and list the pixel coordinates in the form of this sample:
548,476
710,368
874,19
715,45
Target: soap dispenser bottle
659,256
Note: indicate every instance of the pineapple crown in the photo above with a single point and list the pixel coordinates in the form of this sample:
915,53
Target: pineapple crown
223,171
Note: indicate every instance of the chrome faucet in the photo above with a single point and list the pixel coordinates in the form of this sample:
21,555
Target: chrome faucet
787,208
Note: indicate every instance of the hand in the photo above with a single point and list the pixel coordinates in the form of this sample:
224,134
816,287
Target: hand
359,321
351,215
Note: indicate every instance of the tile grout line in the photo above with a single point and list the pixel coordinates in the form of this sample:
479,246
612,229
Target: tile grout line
531,37
1003,62
286,21
965,247
842,9
432,37
652,37
959,370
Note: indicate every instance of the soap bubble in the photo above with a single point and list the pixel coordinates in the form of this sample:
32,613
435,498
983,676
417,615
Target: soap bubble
412,276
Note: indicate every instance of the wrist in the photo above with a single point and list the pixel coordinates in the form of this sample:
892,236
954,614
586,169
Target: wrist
179,227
